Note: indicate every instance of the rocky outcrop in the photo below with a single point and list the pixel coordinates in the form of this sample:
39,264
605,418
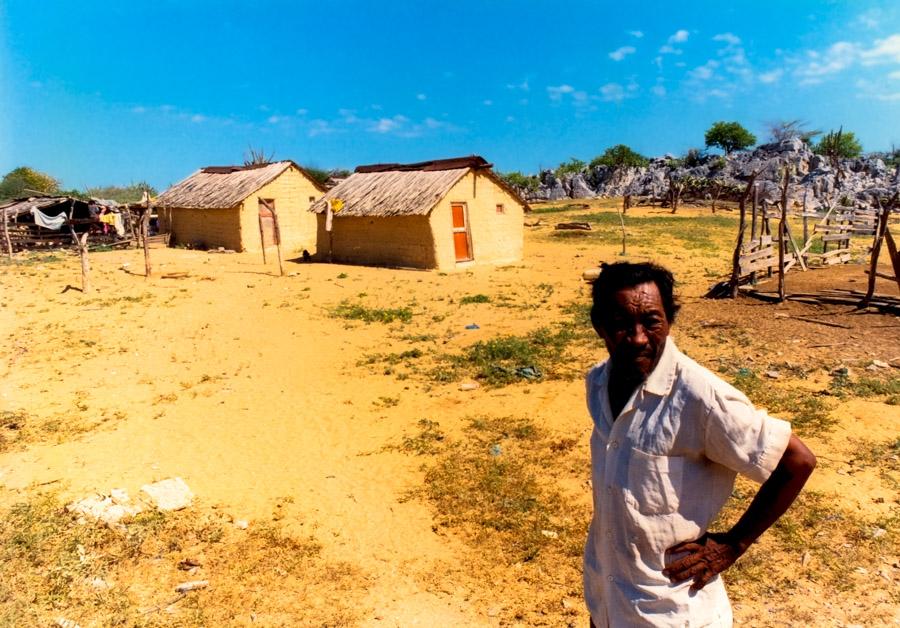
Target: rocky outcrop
813,178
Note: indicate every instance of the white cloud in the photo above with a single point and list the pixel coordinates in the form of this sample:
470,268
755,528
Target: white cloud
523,86
276,119
770,77
669,50
621,53
728,38
870,19
198,117
510,119
705,71
658,90
320,127
348,116
556,91
384,125
421,97
718,93
894,75
487,103
636,34
615,92
884,51
302,112
138,109
839,56
679,36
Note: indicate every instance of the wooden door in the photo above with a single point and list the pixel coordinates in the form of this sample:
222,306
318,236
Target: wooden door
267,228
461,236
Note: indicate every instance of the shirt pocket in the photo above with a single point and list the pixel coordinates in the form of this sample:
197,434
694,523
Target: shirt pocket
655,482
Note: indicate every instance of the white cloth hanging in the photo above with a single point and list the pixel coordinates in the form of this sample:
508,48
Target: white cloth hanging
48,222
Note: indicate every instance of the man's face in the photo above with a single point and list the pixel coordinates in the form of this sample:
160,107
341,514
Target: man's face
635,330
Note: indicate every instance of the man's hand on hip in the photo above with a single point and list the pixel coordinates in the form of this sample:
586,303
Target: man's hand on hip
709,555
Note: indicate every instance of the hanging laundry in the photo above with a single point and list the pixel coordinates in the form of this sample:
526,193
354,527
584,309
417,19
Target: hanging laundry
119,225
48,222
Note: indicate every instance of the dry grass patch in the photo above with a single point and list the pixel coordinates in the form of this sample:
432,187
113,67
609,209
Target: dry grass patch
817,549
51,566
497,488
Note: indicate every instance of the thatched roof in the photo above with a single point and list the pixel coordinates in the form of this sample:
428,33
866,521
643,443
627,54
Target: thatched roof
403,189
224,186
50,205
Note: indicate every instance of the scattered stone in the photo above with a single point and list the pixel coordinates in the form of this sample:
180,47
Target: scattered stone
241,524
880,364
469,385
170,494
493,611
861,570
773,374
877,533
62,622
188,564
100,584
110,509
804,560
192,585
550,534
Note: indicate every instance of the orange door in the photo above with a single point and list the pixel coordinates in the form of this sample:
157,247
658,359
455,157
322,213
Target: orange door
460,232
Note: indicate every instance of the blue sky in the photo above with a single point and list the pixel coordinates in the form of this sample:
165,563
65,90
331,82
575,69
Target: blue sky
117,92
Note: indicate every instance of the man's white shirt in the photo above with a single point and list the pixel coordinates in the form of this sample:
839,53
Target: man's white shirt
661,471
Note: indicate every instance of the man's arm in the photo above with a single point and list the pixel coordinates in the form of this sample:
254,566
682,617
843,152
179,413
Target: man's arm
713,553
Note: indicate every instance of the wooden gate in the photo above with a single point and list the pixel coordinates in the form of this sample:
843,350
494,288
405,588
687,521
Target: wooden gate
462,242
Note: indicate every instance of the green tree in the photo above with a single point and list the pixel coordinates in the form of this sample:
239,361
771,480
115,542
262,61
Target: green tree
25,181
729,136
520,181
573,166
122,194
620,156
838,144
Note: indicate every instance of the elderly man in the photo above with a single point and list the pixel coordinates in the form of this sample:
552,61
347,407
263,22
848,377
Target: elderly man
669,437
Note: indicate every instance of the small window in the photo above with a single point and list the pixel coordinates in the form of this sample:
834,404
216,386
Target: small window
500,209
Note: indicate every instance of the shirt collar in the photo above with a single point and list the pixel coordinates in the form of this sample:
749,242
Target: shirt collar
663,376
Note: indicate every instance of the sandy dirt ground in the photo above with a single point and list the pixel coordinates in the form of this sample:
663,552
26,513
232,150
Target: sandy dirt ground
244,384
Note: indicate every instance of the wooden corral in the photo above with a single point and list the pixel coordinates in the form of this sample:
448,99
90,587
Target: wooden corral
436,214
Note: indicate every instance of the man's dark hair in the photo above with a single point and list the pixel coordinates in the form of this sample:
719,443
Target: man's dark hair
621,275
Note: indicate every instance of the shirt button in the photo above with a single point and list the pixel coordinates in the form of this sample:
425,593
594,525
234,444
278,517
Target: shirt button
609,533
609,490
615,444
610,578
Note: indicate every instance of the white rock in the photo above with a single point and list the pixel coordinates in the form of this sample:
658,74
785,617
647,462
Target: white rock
469,385
877,533
241,524
550,534
880,364
100,583
105,509
170,494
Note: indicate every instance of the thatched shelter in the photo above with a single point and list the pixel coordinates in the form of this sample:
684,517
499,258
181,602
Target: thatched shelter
47,221
231,207
440,214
